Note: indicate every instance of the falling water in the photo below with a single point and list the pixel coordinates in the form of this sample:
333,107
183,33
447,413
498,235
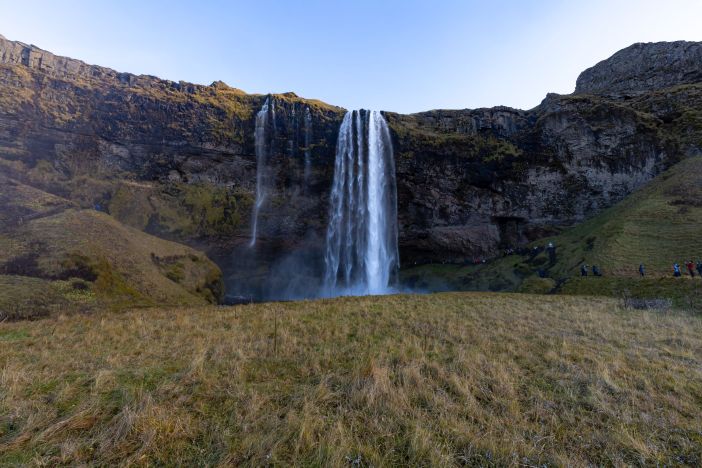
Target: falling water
263,144
308,141
361,253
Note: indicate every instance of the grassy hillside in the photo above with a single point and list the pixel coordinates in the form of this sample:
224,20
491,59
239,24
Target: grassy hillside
54,255
447,379
658,225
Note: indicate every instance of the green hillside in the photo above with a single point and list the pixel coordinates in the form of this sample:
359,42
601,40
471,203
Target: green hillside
56,256
658,225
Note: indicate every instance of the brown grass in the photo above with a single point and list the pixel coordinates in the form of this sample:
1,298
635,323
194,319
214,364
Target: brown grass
447,379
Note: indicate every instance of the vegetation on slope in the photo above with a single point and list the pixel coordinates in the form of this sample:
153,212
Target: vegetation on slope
447,379
54,252
180,209
658,225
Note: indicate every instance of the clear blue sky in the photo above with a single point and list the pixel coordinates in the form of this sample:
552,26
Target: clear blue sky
399,55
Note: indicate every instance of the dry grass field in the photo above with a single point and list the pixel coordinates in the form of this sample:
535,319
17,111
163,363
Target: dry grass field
445,379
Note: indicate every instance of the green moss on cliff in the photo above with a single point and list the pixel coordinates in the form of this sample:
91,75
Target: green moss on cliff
130,204
181,210
417,138
200,210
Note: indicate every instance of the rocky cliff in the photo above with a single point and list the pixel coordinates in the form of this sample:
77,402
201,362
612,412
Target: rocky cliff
643,68
177,160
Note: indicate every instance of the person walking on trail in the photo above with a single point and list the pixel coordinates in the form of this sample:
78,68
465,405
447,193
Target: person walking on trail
583,270
690,268
551,253
699,267
676,270
642,270
596,271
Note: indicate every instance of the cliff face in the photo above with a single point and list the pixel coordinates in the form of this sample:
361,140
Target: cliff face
474,181
177,160
174,159
642,68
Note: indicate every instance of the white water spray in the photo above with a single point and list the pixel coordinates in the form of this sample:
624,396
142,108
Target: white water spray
263,146
361,254
308,141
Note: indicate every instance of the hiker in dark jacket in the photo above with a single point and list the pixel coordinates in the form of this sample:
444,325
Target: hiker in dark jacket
642,270
583,270
699,267
596,271
690,268
676,270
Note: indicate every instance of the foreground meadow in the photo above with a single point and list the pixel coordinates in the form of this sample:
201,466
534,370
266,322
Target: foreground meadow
445,379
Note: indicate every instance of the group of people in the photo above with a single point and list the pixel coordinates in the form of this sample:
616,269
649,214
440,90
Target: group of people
594,270
691,267
677,271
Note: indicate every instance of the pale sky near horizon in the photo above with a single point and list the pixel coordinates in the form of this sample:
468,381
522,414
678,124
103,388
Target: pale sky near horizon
397,55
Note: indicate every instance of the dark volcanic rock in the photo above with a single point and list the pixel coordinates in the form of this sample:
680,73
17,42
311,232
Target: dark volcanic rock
473,182
643,68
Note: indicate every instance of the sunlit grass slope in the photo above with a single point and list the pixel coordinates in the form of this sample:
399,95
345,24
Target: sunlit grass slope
446,379
658,225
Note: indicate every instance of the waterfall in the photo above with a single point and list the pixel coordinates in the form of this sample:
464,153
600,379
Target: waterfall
361,253
263,145
308,141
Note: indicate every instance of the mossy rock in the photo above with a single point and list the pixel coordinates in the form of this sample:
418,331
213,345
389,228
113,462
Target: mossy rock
179,210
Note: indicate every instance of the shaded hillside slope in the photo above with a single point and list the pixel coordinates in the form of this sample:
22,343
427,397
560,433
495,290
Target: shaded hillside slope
657,225
56,256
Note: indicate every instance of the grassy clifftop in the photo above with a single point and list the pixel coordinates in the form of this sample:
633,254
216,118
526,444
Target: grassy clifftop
440,380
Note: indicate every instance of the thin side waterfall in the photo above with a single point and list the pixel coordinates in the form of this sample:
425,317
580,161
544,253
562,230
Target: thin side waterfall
264,117
361,253
308,141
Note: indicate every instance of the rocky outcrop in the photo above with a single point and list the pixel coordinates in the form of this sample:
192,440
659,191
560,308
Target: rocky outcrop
177,160
644,67
473,182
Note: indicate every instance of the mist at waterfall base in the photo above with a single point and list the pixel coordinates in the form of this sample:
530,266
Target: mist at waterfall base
358,253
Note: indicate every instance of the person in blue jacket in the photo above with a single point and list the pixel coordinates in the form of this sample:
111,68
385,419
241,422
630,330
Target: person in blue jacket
676,270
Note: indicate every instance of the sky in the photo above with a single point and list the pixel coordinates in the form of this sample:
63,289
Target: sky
395,55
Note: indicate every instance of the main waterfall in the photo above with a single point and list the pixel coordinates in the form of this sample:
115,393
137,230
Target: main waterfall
264,118
361,253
